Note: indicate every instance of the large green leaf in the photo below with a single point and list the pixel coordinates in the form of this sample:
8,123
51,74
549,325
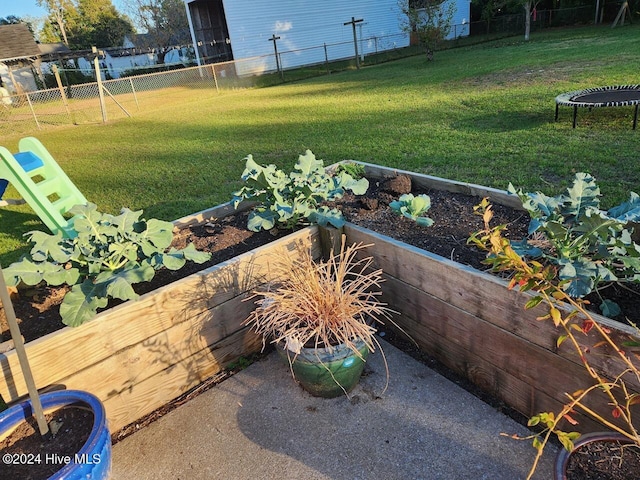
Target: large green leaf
82,303
159,232
31,273
583,194
537,204
191,254
128,220
325,216
581,276
261,220
24,270
628,211
120,287
307,164
347,182
174,260
86,220
48,246
60,275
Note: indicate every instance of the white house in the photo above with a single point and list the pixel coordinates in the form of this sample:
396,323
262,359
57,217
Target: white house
306,31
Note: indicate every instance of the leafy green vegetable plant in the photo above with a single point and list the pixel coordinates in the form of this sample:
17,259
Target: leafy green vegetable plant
589,245
286,200
106,257
579,332
414,208
356,170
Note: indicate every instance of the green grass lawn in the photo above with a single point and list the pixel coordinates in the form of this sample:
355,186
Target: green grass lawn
481,113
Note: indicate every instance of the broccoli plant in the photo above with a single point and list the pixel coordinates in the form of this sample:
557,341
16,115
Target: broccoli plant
103,260
286,200
587,244
414,208
356,170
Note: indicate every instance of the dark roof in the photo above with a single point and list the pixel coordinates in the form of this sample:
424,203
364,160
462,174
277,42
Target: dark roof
53,48
16,42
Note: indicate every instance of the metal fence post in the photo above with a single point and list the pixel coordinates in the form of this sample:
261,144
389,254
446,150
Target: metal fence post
33,112
133,90
96,65
215,78
63,94
326,58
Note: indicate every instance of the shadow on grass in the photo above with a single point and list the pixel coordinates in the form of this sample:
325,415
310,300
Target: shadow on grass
14,225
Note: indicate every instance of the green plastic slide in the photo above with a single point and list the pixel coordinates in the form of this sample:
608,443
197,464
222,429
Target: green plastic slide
40,182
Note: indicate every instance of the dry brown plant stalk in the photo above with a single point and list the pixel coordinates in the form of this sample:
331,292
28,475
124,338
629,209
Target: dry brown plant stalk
322,304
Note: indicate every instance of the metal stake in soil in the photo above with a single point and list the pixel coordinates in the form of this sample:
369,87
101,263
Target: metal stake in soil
22,356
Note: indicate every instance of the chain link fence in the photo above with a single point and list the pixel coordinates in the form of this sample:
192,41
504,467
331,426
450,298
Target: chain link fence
123,97
111,99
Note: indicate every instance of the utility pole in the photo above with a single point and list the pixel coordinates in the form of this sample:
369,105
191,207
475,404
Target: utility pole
275,48
353,23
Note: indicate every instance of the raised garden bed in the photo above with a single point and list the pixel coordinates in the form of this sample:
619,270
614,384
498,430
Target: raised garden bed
138,356
469,321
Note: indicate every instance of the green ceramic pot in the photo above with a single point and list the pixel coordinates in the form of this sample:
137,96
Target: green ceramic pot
327,372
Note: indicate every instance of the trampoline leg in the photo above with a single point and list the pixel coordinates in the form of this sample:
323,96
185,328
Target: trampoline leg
635,117
575,112
556,119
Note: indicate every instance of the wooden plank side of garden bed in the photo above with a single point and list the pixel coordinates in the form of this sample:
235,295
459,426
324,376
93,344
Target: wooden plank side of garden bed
513,392
62,353
437,183
124,369
219,211
482,295
132,404
525,376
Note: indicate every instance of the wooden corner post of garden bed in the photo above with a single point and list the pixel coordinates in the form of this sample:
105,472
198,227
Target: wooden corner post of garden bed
330,241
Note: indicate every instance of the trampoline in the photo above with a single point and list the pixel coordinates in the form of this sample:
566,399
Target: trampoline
616,96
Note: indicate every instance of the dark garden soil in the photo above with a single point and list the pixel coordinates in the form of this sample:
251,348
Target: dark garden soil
37,308
454,222
604,461
23,452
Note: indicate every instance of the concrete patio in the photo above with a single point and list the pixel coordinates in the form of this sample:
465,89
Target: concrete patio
259,424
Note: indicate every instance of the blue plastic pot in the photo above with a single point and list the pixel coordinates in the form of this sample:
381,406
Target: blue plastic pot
96,452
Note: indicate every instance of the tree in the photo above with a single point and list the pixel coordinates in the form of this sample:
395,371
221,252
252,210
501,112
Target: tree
99,24
491,7
62,14
81,24
528,5
165,22
10,20
429,20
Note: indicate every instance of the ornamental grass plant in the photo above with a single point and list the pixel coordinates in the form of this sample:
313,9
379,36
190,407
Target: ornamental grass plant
322,304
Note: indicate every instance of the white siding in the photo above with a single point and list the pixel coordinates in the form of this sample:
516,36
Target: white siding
460,20
309,24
